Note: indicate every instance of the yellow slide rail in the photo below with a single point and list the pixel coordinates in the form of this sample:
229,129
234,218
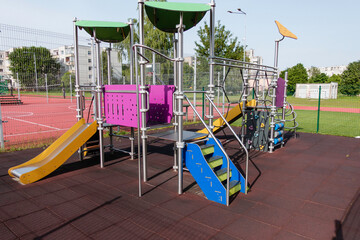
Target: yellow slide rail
55,155
233,115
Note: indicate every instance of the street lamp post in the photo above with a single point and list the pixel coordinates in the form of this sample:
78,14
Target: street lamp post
239,11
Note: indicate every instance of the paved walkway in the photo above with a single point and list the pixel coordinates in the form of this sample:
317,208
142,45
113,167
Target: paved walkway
305,191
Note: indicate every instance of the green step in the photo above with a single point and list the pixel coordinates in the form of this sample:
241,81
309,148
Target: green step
207,149
221,174
234,187
215,161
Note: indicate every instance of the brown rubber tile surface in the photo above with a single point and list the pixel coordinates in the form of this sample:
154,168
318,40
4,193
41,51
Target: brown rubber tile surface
306,190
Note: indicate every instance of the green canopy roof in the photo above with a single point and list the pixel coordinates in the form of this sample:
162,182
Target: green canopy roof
166,15
111,32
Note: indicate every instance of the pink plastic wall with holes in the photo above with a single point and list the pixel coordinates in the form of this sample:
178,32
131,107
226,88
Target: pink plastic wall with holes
121,108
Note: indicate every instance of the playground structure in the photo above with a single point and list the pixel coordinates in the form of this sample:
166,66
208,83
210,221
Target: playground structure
141,106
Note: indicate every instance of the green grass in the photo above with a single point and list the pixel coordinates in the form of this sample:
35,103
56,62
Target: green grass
331,123
50,94
340,102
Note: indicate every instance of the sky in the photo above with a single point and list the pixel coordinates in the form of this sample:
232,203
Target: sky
328,31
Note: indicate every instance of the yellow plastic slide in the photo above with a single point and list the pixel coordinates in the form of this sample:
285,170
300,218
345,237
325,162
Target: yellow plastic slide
55,155
233,115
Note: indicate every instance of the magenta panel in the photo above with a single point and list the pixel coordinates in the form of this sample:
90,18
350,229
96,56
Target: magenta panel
280,92
121,108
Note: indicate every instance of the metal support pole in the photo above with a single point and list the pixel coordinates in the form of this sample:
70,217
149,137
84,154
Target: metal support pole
212,47
46,89
131,59
79,112
175,42
195,68
143,91
218,90
18,86
223,96
98,101
273,85
138,120
36,76
243,101
153,68
318,115
70,82
109,63
132,144
180,97
2,141
284,106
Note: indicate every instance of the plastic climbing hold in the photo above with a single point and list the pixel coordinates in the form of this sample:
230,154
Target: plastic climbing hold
279,126
262,125
261,147
256,116
251,127
278,140
278,133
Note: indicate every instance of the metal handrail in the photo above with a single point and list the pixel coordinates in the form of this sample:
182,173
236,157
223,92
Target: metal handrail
152,50
237,138
218,144
239,61
243,67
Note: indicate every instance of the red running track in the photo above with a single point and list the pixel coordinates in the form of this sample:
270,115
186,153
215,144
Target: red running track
329,109
36,120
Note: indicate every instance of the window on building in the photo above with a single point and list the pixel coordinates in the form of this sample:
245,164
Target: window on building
1,62
1,70
89,60
89,52
90,68
62,52
90,76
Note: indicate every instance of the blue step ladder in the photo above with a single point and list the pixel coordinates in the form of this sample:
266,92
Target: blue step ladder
208,165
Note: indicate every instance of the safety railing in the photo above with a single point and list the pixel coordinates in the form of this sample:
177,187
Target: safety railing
219,145
237,139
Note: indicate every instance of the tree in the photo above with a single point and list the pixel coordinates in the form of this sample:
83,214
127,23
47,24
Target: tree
23,60
319,78
226,45
154,38
313,72
350,84
296,74
65,79
335,78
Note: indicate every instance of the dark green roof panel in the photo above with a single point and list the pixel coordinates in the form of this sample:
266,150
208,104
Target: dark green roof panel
111,32
166,15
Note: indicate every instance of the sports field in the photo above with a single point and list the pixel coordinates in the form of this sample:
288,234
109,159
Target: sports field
36,120
39,121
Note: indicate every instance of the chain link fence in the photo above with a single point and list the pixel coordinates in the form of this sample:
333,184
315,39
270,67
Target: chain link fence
37,86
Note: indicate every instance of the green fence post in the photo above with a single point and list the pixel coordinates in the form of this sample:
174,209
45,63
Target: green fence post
318,115
203,103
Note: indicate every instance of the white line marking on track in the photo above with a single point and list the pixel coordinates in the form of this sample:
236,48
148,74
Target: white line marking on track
34,123
22,134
